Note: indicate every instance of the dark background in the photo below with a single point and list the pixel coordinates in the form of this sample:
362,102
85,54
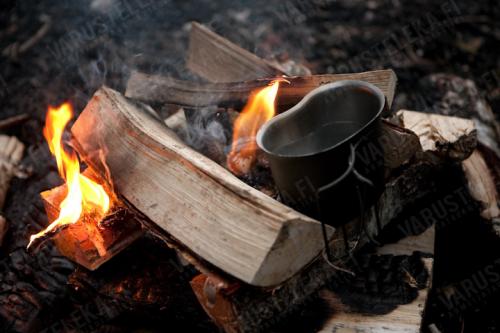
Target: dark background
91,43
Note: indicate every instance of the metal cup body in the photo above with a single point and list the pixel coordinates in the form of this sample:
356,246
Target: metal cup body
309,146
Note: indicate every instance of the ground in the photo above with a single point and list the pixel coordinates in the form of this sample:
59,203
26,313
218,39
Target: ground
90,43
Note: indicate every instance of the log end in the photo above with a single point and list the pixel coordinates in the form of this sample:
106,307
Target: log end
297,244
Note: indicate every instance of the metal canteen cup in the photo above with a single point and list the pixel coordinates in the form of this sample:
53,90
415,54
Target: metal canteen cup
324,152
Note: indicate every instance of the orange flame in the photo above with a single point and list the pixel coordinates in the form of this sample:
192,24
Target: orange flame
84,196
259,109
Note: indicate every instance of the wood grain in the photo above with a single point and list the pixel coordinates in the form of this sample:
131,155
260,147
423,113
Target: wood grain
216,59
157,89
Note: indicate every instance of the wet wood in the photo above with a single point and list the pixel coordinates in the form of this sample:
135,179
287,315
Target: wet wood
157,89
202,205
217,59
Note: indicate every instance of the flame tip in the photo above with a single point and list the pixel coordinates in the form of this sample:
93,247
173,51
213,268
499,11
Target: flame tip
258,110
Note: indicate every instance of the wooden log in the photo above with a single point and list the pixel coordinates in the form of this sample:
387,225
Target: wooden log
89,242
217,59
202,205
157,89
11,153
481,185
441,137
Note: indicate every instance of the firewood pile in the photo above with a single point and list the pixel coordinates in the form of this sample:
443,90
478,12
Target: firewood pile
189,239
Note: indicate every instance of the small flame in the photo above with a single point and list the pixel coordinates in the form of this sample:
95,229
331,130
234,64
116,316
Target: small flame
84,196
259,109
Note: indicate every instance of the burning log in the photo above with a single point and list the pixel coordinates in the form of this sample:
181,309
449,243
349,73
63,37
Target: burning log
214,57
91,242
204,207
157,89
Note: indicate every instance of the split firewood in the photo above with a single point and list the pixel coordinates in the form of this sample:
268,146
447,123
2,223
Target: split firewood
214,57
202,205
481,185
13,121
441,137
89,242
239,308
157,89
405,317
11,152
3,228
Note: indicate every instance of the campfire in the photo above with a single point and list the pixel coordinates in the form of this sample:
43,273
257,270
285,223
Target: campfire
206,210
263,188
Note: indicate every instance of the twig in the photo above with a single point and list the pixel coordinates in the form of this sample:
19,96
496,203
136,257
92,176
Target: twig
38,35
16,48
13,121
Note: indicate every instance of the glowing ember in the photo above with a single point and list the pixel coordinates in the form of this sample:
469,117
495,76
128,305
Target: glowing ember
259,109
84,196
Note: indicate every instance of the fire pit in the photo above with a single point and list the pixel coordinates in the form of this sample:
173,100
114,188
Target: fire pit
248,195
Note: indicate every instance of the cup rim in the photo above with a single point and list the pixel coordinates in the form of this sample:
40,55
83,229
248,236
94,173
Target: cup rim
333,85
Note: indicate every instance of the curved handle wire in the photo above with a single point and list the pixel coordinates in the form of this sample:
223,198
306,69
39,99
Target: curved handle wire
362,179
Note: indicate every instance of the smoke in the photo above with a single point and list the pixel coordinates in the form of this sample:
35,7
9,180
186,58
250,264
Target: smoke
209,132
